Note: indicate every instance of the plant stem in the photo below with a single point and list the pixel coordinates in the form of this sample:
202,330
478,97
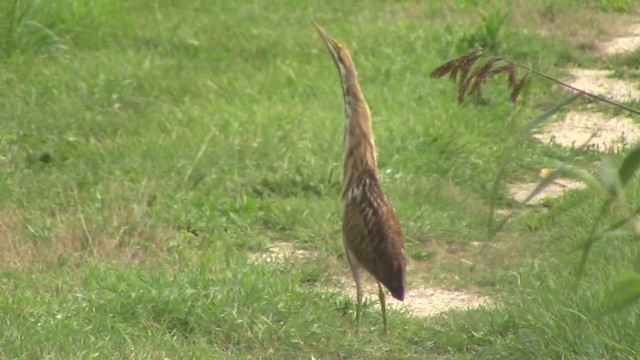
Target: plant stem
583,92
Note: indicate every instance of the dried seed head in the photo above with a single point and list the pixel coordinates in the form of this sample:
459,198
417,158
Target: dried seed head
470,80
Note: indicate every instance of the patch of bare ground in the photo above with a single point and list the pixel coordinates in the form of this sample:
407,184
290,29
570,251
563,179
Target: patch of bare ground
452,276
593,130
424,302
601,82
420,301
627,43
520,191
281,251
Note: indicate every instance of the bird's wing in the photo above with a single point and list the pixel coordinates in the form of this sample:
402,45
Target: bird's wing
372,233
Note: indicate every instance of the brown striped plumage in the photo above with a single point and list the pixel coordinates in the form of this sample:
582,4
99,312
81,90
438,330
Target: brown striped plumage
371,231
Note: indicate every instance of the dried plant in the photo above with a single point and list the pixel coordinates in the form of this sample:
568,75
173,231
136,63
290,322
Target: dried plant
470,79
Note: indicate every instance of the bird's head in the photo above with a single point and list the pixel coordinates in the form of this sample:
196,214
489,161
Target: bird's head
338,52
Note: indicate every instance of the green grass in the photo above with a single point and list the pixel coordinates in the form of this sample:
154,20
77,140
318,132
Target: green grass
118,241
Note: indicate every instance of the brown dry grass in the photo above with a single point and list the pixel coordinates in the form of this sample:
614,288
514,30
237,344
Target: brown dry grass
71,238
465,71
570,23
470,80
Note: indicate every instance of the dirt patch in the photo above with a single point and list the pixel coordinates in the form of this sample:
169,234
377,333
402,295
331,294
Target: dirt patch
589,129
424,302
419,301
520,191
624,44
601,83
281,251
594,130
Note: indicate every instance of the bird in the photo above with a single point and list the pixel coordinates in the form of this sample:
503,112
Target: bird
372,235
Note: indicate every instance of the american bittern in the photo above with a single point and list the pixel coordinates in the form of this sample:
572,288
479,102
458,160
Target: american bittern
372,235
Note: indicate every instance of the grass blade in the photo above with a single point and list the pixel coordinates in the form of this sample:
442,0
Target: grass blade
576,173
616,228
609,178
630,166
625,293
506,160
547,114
591,240
204,146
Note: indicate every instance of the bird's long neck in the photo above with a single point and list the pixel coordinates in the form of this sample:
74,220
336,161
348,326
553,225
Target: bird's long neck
359,145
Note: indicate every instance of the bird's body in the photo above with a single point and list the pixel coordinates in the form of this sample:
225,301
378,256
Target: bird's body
372,235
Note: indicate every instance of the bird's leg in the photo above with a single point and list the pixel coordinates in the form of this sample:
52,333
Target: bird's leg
355,271
359,295
383,304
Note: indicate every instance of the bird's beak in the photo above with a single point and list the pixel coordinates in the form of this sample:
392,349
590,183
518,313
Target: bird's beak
331,43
